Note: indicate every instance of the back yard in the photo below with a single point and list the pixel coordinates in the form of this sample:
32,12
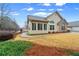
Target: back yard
63,40
68,41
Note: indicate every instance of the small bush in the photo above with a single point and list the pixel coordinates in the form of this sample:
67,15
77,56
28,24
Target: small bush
28,33
6,36
14,48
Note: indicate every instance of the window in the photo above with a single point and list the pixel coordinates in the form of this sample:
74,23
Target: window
51,27
45,26
33,26
63,27
39,26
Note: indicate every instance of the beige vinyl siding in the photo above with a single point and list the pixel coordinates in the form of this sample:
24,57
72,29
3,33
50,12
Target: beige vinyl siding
56,19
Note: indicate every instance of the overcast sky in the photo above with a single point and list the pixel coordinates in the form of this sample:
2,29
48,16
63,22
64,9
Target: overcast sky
70,11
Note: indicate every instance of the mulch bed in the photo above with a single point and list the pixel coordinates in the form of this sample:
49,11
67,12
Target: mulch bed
39,50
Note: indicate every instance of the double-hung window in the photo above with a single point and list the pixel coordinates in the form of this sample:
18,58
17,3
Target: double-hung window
39,26
33,26
51,27
45,26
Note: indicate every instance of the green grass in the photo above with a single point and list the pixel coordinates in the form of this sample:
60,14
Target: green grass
71,52
75,54
18,48
14,48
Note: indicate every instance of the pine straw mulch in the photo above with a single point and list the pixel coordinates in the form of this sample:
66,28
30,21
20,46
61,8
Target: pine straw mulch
39,50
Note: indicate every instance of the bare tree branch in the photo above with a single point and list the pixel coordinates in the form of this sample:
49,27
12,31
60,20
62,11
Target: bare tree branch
4,9
5,20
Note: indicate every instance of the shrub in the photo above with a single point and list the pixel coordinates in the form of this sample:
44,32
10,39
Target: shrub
28,33
14,48
6,36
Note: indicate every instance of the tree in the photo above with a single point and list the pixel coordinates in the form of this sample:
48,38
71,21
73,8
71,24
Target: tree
4,11
5,19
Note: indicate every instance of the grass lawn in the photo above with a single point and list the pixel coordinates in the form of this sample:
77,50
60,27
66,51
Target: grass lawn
14,48
63,40
67,41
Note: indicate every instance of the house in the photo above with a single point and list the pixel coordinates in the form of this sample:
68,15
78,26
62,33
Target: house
74,26
52,23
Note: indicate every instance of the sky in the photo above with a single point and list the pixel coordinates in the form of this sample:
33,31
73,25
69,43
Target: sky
19,11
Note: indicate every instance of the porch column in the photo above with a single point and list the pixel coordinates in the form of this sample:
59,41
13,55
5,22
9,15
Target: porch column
43,26
36,26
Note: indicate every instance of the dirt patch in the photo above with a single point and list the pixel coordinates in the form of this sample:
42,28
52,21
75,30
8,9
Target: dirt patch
39,50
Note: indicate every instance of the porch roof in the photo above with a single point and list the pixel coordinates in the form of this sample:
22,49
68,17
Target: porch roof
37,19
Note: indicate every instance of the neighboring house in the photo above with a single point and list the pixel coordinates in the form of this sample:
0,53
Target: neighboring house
74,26
52,23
